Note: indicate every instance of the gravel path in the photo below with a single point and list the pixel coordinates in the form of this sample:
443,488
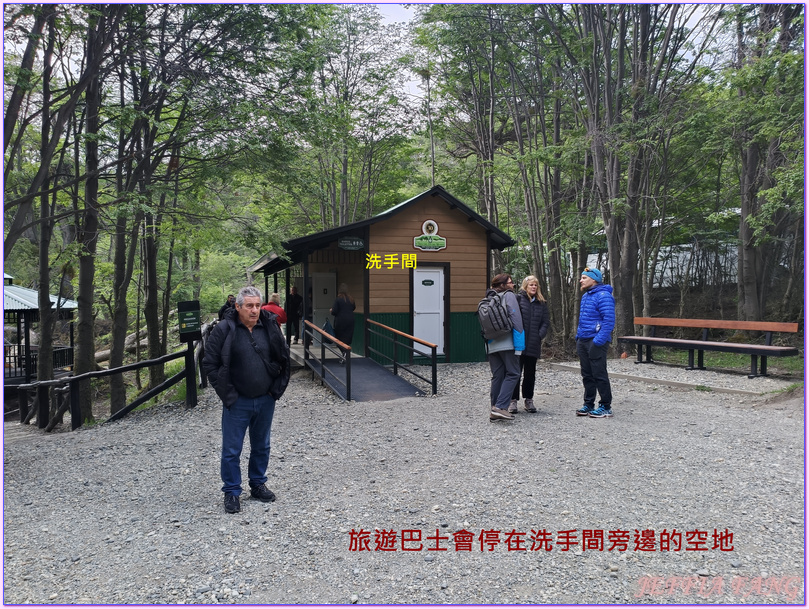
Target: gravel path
131,512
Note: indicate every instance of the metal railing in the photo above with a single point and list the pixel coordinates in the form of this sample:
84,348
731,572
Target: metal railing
396,344
310,331
17,365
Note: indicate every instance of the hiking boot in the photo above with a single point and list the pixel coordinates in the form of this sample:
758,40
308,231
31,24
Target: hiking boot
529,405
262,493
500,414
585,410
602,412
232,505
512,407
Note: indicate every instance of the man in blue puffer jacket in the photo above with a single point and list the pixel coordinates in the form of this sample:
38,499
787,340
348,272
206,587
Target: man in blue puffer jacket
596,322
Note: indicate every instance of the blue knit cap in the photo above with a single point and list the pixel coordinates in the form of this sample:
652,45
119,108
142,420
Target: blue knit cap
594,274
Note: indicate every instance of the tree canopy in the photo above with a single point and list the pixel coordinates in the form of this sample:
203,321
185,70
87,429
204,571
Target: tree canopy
153,151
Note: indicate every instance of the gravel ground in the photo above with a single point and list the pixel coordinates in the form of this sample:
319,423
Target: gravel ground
131,512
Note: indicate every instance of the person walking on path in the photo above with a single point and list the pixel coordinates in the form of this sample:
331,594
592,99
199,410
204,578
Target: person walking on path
535,321
503,352
343,311
247,363
596,322
294,310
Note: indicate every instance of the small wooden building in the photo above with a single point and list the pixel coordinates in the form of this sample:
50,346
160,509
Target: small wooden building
420,267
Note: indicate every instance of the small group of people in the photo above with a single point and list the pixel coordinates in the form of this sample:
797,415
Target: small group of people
515,355
247,361
292,312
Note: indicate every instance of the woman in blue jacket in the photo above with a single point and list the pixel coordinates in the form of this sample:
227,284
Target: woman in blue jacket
535,321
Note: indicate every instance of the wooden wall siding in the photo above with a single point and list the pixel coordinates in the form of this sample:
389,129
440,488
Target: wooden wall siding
465,251
349,266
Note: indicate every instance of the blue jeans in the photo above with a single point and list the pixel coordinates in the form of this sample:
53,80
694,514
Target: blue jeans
593,360
255,413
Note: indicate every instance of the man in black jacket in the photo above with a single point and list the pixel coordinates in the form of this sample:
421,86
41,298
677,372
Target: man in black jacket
227,306
247,362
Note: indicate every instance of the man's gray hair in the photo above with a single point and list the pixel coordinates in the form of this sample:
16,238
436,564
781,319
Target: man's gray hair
247,291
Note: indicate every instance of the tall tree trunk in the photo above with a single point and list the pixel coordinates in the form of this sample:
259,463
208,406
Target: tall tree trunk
88,233
47,315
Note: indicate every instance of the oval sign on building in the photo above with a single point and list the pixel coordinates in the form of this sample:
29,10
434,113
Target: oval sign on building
429,240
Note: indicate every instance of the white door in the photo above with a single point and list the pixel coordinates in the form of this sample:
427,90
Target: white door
428,308
324,291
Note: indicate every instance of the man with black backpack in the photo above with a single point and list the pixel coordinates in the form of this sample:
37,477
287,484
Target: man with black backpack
501,323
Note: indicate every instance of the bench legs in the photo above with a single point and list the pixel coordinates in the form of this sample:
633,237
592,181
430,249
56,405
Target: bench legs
753,361
649,359
700,360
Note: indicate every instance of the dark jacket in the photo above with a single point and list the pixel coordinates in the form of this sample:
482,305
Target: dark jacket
536,320
216,363
597,314
224,309
294,307
343,311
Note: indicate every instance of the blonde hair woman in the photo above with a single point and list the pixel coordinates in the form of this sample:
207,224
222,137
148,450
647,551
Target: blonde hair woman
536,321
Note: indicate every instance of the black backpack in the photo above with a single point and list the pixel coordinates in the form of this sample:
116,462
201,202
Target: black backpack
493,316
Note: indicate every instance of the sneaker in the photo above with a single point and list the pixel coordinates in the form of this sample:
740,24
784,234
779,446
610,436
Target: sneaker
232,505
512,407
499,413
529,405
584,410
601,412
262,493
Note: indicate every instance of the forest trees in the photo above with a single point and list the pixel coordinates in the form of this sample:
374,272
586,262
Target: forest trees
766,125
616,120
148,101
152,150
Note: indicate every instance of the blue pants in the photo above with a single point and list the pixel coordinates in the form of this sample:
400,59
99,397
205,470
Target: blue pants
505,367
255,414
593,360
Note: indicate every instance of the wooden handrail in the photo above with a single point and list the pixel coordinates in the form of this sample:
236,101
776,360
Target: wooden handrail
324,333
407,336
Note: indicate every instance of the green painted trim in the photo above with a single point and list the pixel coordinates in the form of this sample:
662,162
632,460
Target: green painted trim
464,334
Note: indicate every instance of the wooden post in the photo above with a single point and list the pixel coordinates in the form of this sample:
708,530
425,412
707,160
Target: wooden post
22,399
44,407
75,407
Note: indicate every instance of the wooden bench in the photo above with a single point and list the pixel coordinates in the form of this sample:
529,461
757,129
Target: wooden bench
700,346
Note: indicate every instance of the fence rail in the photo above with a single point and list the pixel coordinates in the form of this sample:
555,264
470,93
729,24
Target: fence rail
310,332
396,364
193,354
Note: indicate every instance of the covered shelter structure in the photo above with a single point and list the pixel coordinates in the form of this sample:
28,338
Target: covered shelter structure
421,267
20,314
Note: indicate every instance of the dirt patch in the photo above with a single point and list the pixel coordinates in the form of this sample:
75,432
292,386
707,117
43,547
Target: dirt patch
792,399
